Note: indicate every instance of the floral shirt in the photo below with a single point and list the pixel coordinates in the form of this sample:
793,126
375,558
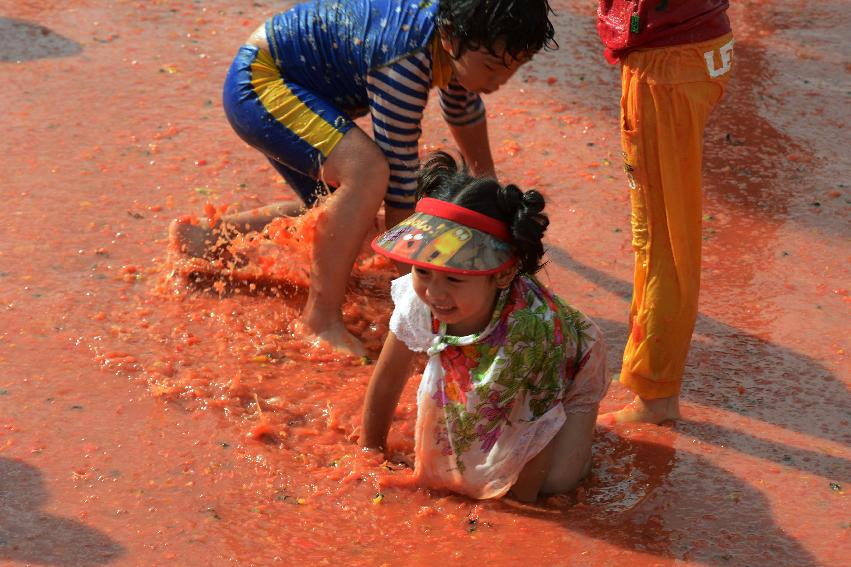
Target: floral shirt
490,401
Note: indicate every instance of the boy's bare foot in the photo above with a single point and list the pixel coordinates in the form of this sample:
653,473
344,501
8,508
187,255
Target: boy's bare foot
640,410
341,340
191,238
336,336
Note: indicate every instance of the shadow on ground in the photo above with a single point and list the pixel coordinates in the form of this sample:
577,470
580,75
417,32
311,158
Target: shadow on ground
644,495
735,371
26,41
30,536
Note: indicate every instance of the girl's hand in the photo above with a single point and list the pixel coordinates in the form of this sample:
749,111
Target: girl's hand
382,395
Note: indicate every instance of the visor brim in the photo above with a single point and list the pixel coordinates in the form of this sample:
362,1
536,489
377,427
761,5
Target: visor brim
436,243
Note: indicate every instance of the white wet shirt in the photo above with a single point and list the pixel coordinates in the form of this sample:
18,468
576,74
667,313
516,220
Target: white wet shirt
490,401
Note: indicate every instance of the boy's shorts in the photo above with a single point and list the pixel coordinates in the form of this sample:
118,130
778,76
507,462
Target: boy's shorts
293,127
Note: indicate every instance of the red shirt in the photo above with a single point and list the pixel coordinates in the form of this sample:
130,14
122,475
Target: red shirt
625,25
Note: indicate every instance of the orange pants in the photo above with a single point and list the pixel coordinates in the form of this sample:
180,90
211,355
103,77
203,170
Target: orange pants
667,96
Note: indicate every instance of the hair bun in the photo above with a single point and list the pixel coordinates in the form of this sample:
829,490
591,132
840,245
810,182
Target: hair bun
528,223
532,202
509,199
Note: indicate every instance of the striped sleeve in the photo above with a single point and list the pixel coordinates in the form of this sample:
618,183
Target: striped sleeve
460,106
397,97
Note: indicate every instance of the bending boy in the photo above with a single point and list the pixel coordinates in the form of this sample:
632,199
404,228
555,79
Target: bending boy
305,74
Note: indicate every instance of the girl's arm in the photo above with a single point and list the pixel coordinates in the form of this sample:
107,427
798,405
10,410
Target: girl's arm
382,395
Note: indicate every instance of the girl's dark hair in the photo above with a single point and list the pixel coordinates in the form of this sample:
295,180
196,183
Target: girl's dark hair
442,177
523,25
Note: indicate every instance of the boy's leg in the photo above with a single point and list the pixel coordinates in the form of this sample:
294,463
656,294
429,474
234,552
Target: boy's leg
358,169
663,156
270,115
305,132
201,240
307,188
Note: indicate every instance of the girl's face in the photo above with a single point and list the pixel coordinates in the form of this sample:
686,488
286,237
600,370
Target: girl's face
464,303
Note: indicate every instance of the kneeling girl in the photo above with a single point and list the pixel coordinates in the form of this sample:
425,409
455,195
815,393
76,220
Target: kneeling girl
510,393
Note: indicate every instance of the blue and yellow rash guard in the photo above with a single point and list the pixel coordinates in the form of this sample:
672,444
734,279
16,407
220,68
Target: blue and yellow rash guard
334,60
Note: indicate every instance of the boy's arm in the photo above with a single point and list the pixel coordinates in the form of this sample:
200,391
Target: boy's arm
382,395
473,142
464,113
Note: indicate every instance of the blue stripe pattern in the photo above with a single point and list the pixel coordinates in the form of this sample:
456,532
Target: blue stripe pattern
398,93
461,107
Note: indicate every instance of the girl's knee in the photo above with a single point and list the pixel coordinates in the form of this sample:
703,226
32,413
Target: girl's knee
572,457
565,478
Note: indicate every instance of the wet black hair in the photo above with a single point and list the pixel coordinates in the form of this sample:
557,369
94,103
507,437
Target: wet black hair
523,25
442,177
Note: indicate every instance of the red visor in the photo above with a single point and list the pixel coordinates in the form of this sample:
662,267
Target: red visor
450,238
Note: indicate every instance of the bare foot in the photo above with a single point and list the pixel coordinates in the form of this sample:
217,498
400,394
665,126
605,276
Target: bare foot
640,410
341,340
336,336
191,238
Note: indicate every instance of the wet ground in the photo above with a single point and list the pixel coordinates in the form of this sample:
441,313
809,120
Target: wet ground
144,422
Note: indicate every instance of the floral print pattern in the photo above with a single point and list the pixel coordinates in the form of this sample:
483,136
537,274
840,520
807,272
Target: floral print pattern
490,401
526,352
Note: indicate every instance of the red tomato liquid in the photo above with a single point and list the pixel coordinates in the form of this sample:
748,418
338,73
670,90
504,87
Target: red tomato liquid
153,414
